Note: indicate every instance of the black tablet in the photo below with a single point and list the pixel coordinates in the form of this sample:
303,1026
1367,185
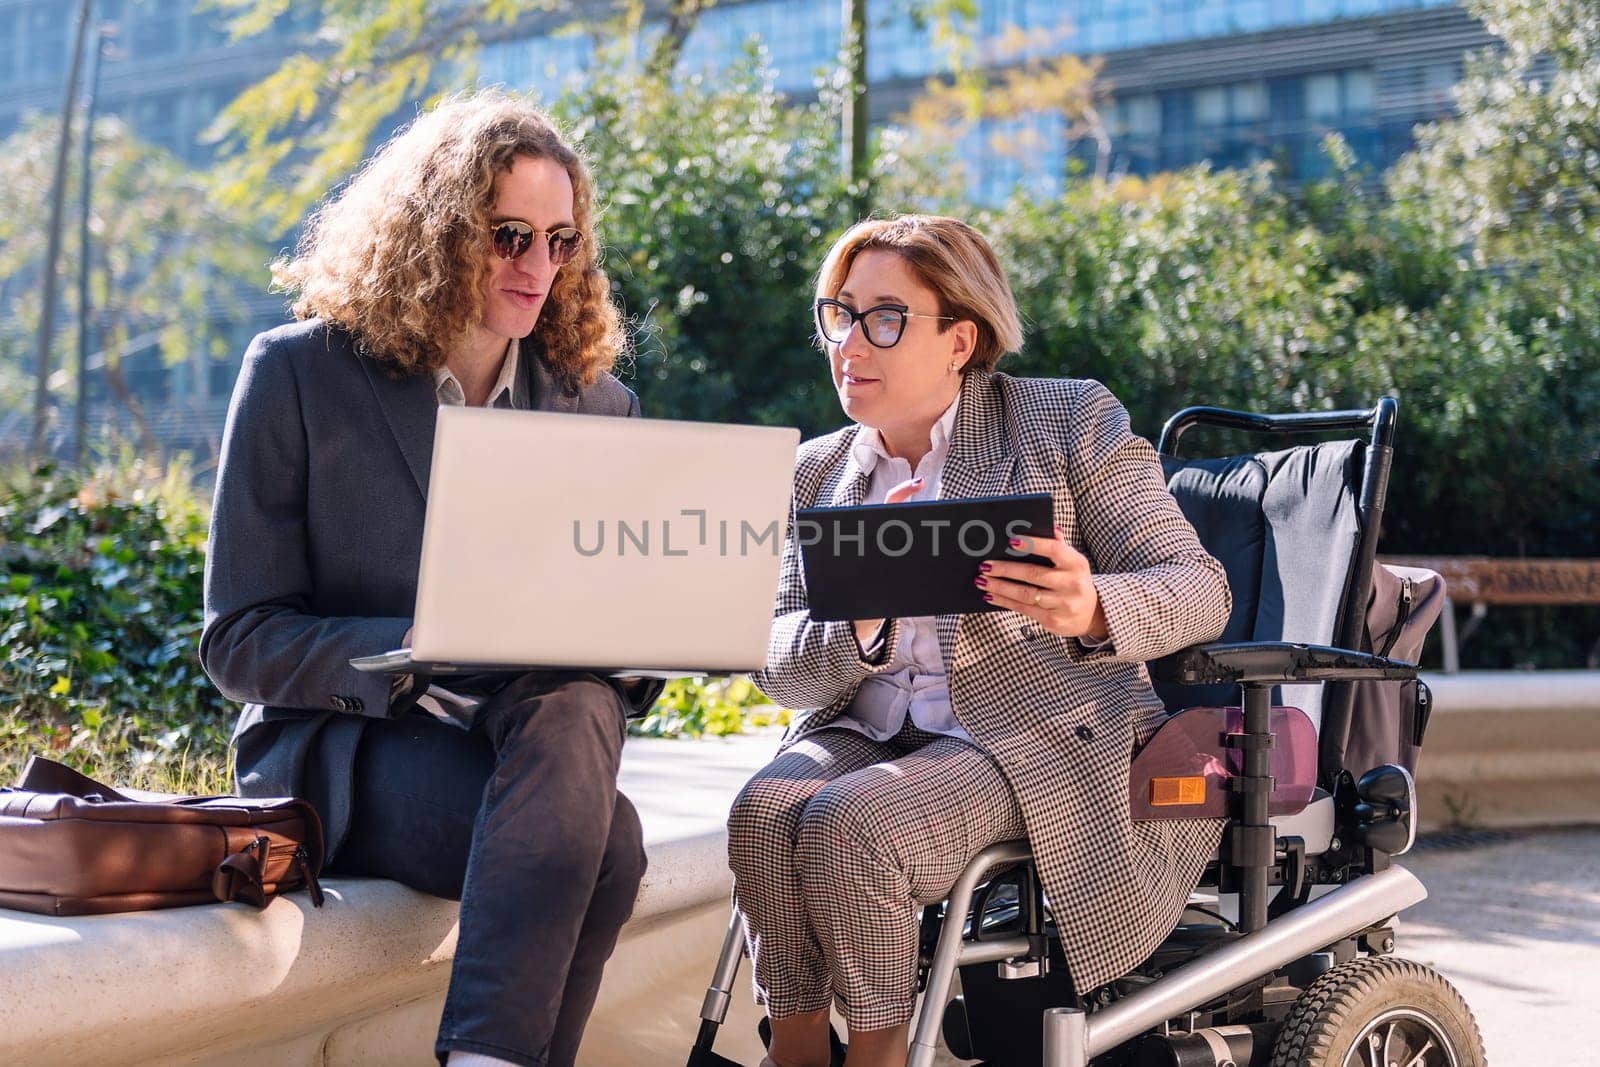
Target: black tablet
920,558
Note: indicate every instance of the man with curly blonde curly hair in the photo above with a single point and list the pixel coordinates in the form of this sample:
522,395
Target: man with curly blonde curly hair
458,266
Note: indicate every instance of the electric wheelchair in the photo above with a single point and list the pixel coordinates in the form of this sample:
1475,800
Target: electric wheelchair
1284,956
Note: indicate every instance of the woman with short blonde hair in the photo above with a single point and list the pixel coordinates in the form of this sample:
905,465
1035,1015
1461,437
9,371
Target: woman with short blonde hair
921,741
953,260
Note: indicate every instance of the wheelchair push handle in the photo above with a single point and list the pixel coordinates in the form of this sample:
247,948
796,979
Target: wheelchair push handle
1380,419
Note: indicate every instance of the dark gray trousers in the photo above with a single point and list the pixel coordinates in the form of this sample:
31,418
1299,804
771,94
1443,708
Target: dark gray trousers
519,819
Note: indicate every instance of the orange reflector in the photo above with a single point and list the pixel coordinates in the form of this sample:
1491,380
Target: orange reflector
1166,792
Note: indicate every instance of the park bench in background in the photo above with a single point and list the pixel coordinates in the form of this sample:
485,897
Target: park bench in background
1481,581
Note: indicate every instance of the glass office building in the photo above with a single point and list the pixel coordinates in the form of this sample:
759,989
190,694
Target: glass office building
1223,80
1229,81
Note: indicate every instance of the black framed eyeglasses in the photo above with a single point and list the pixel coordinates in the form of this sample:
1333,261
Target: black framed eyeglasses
512,238
881,325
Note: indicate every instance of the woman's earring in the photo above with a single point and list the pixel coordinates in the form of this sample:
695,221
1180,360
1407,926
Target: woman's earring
952,366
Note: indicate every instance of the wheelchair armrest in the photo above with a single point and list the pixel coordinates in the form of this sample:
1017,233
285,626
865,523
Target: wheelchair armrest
1276,661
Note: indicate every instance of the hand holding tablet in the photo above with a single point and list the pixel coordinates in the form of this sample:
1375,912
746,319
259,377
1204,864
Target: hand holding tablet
1060,595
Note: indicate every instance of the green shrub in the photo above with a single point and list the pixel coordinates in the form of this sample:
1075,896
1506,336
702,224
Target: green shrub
100,590
718,201
718,706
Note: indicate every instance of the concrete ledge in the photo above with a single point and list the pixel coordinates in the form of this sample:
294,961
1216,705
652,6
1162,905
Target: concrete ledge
362,979
1511,748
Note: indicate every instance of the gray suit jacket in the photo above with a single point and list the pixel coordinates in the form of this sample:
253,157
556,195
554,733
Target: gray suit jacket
316,536
1061,720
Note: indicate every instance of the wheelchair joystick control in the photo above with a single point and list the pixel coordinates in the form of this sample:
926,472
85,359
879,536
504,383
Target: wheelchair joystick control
1386,813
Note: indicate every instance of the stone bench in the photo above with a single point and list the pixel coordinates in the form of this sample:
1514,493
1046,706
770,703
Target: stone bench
362,979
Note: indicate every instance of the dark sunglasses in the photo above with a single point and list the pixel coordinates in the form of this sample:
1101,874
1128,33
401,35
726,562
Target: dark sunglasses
511,239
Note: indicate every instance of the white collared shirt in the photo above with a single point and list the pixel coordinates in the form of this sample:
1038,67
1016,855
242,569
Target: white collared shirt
455,708
915,683
447,387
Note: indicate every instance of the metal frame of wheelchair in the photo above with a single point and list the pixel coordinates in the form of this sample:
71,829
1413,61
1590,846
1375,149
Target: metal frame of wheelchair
1218,993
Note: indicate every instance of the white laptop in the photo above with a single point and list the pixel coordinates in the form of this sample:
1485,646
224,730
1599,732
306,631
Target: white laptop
621,546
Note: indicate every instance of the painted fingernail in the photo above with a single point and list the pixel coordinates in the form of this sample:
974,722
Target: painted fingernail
1016,542
985,568
980,581
1061,533
989,597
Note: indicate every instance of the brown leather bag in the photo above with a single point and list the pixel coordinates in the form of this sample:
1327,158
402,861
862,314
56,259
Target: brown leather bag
72,846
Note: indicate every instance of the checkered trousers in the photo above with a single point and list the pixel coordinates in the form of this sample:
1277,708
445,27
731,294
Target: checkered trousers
1061,721
835,843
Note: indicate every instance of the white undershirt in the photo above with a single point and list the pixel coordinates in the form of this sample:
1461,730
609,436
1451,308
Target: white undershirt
915,683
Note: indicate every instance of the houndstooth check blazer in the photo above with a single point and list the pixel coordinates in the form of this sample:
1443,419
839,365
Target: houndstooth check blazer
1062,722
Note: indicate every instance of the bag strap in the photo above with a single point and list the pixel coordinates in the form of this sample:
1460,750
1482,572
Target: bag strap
238,876
43,775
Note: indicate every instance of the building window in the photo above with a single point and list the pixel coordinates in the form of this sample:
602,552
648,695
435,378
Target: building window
155,121
1249,16
898,46
1027,152
1134,125
1324,101
1108,25
1215,104
157,29
207,29
799,36
1438,80
1230,123
1014,30
44,48
541,65
9,21
1342,102
1335,96
108,12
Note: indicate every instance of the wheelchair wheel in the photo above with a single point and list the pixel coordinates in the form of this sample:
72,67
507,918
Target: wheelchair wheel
1377,1011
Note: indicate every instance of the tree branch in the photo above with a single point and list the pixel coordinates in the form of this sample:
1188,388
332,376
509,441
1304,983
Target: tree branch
681,19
